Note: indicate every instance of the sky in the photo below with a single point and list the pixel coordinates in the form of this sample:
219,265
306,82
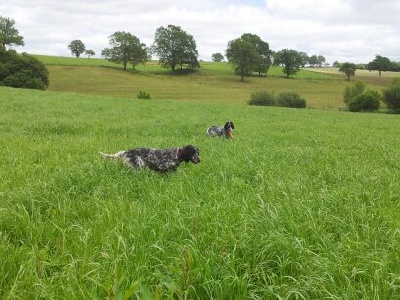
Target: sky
340,30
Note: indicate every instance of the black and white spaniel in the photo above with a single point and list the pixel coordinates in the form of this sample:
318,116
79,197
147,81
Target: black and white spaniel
161,160
225,131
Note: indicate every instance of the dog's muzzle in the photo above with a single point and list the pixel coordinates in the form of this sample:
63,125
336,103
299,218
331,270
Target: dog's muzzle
196,159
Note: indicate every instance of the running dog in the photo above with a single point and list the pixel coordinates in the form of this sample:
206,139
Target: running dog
161,160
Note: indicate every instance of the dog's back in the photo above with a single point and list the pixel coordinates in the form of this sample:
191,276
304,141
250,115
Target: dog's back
214,130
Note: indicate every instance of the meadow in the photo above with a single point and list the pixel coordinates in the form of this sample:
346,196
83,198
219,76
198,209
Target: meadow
300,204
213,82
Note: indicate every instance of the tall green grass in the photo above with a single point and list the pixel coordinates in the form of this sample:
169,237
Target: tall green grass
300,204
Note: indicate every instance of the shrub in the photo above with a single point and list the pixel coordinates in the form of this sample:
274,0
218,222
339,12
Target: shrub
262,98
369,100
143,95
352,91
290,99
22,71
391,96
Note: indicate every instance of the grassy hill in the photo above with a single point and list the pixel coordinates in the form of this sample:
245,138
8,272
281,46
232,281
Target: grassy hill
213,82
300,204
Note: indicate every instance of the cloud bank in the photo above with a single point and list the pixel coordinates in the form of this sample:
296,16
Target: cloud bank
352,30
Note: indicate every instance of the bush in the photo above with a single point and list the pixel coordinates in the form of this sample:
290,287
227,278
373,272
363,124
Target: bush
290,99
391,96
22,71
262,98
143,95
369,100
352,91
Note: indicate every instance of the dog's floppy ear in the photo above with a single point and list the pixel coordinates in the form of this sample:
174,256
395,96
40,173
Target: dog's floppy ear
232,126
178,153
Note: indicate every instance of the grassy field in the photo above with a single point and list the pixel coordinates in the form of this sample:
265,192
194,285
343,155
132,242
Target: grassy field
300,204
370,77
214,82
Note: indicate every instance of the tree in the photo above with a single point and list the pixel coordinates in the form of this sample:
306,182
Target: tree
391,96
126,48
352,91
349,69
8,34
217,57
174,47
290,59
22,71
243,57
77,47
395,66
305,59
379,64
316,60
369,100
89,53
321,60
263,62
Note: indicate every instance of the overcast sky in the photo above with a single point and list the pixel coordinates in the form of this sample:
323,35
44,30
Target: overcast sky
342,30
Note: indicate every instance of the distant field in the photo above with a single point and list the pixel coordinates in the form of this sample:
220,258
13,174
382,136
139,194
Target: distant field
300,204
213,82
370,77
204,86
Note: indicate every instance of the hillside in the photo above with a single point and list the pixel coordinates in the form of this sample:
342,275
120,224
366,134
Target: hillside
213,82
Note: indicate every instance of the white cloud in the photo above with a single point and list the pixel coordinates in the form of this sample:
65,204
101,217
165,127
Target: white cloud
343,30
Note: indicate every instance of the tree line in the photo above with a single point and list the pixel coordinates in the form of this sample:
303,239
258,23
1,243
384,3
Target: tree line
379,63
176,49
248,54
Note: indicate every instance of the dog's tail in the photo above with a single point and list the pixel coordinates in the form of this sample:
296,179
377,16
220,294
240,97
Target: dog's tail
210,130
112,156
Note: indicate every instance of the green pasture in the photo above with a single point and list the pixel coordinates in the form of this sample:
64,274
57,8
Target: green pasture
213,82
300,204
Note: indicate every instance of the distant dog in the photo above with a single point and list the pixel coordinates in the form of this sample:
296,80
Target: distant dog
225,131
158,160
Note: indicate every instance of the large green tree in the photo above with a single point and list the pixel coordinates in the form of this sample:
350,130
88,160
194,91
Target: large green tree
349,69
126,49
175,47
9,35
380,63
217,57
22,71
243,56
263,61
290,59
77,48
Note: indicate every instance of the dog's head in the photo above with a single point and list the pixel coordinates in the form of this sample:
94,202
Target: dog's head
229,126
228,129
189,153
